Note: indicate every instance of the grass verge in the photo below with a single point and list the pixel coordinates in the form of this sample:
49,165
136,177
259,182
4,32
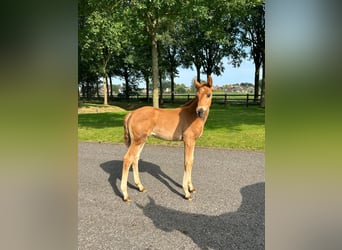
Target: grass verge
234,127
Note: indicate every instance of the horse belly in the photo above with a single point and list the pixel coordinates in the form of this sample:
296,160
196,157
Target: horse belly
167,134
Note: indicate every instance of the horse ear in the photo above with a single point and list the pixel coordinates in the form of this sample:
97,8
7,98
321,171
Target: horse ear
210,82
197,84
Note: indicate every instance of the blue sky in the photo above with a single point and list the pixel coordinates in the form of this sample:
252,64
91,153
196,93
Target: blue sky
244,73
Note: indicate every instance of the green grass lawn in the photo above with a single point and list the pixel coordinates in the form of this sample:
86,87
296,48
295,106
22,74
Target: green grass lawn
235,127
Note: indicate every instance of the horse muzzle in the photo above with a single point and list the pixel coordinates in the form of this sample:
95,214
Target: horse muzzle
200,112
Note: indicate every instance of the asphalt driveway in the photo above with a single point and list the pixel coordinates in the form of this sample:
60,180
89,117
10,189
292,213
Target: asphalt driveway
227,211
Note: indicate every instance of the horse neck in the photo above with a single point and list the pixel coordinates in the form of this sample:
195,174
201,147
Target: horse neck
191,105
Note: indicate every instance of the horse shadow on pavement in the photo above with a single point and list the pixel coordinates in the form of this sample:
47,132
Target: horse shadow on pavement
114,169
241,229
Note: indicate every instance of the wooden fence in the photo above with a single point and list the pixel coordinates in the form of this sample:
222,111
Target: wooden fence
225,99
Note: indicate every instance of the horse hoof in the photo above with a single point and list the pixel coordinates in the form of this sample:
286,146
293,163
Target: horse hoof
189,198
127,199
143,190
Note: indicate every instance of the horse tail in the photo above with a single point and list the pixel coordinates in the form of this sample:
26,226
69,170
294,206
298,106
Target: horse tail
127,136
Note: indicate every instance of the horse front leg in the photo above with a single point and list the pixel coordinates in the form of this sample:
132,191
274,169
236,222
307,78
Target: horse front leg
189,147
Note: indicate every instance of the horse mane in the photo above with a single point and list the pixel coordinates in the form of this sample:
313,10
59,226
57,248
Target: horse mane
190,102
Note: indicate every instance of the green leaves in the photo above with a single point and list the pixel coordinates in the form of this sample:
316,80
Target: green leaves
119,35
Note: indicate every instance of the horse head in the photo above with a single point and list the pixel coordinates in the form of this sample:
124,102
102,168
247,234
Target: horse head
204,96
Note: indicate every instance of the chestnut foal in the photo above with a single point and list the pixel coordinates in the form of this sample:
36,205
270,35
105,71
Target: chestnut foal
184,123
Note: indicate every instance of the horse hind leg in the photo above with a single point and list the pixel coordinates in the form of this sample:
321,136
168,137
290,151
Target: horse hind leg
136,170
132,158
128,160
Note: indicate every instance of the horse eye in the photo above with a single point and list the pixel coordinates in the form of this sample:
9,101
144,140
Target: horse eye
208,95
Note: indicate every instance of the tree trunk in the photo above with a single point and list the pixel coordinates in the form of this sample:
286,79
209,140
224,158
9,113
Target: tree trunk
105,97
262,100
256,82
105,83
88,91
155,71
172,87
107,86
198,71
161,101
127,92
111,87
83,90
147,88
97,89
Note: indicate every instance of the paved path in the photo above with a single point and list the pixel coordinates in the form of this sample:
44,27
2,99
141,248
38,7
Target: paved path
227,211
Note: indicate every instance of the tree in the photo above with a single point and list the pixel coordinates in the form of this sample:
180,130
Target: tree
252,24
180,88
87,73
150,39
87,77
208,36
156,15
170,56
143,59
191,44
133,62
100,35
123,66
